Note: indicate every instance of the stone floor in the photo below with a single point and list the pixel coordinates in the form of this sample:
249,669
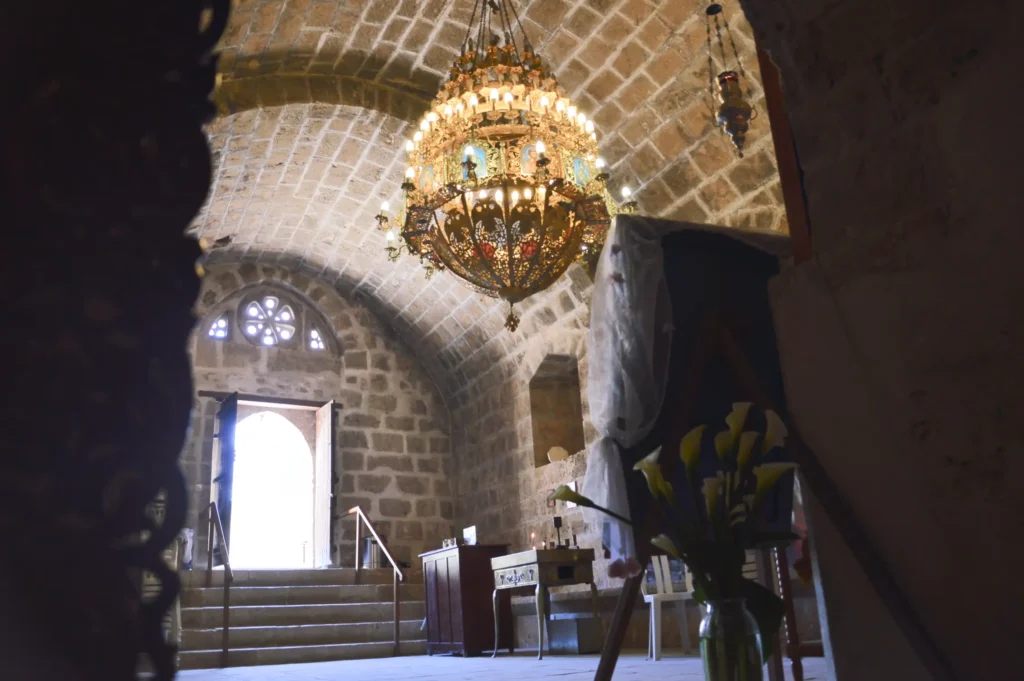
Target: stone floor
442,668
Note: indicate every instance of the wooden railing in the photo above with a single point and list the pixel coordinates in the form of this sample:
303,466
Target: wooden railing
216,524
398,578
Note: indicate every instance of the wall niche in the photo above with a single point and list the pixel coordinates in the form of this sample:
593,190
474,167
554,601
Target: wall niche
556,408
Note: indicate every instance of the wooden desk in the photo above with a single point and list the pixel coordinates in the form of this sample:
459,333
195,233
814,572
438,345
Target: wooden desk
541,569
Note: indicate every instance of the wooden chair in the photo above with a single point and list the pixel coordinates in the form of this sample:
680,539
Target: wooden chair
665,594
794,648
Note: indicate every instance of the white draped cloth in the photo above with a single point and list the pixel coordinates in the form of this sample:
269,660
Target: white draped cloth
629,340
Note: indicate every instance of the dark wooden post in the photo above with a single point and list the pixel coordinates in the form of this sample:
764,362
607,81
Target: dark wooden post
103,165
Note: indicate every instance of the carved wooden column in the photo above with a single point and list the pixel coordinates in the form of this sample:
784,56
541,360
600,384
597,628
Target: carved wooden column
103,164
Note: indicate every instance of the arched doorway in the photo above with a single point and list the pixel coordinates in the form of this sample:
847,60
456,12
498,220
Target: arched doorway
272,495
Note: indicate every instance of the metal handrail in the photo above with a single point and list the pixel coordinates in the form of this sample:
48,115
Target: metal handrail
399,576
229,576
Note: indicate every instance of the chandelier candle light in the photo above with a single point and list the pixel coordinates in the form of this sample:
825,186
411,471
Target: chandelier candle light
504,186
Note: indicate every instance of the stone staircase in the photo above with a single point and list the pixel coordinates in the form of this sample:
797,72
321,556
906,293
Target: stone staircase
290,616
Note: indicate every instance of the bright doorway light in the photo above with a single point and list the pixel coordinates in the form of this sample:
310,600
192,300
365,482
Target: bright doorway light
272,495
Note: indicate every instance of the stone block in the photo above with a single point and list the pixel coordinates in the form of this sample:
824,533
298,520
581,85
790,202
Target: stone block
358,420
381,361
412,485
447,511
351,399
718,194
405,423
240,355
408,530
426,508
399,464
388,442
630,59
347,502
356,360
415,444
352,461
347,484
379,383
428,465
374,484
384,403
353,438
752,172
205,354
442,489
395,508
440,445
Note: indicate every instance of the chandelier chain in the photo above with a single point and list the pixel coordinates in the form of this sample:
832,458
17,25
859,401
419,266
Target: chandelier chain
526,38
469,26
510,35
484,22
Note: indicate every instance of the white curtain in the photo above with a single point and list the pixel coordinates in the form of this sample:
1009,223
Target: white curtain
629,340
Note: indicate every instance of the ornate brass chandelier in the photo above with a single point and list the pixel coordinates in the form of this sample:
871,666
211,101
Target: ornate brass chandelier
504,186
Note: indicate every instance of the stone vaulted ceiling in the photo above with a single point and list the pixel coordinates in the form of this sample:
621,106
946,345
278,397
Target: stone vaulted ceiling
316,98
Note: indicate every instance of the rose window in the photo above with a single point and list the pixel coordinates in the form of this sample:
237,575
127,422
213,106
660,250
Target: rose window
218,328
268,321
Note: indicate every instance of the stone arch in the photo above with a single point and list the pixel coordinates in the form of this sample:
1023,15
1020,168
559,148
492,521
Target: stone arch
224,285
237,94
569,342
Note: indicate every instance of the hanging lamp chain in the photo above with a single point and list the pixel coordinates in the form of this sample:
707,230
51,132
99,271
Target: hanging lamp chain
732,42
508,19
711,62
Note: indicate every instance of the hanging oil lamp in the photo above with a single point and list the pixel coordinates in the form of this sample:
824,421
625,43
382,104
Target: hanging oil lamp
734,113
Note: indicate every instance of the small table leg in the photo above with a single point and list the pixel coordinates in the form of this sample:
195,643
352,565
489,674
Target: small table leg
597,615
494,603
541,617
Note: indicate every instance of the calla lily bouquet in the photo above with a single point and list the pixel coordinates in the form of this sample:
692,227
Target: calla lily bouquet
719,522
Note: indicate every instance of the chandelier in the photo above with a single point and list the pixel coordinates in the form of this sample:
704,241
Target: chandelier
504,186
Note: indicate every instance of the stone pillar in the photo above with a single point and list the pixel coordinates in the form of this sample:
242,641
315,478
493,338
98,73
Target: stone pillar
900,339
103,164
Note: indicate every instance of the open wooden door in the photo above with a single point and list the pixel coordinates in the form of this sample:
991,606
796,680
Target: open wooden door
223,466
323,476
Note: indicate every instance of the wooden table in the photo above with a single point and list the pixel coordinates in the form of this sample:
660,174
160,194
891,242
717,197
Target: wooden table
541,569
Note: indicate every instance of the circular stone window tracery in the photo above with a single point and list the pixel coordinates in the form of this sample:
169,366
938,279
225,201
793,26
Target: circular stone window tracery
268,320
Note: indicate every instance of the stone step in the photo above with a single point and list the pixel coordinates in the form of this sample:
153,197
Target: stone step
285,615
301,635
300,595
249,657
328,576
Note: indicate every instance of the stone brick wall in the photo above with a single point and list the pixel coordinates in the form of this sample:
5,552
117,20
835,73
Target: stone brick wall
499,487
392,447
901,339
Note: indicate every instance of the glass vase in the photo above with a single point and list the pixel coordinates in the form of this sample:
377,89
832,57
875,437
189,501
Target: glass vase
730,642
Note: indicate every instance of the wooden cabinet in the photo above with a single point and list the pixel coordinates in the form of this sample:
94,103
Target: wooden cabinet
459,584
